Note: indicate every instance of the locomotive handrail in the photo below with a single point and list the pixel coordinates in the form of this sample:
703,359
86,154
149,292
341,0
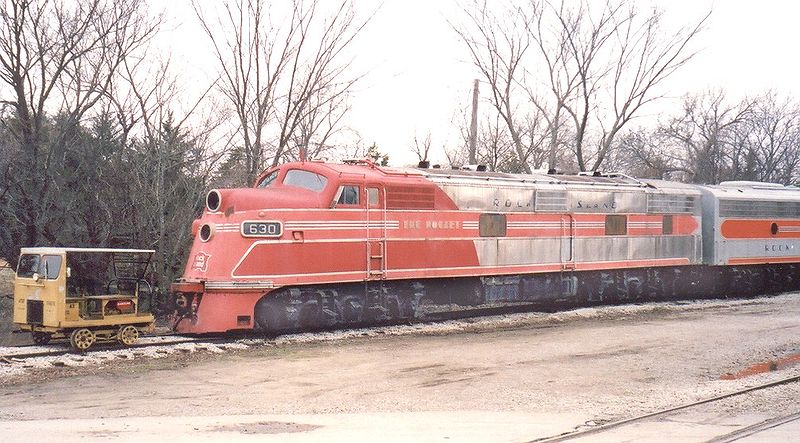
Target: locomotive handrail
381,240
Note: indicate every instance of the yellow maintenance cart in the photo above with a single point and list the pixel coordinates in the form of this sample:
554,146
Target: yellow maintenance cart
86,294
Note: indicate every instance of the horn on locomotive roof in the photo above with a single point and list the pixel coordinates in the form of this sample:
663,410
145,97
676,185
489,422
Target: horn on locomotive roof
359,161
479,168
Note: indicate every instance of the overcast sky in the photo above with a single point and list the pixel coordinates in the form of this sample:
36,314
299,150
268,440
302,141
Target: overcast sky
418,74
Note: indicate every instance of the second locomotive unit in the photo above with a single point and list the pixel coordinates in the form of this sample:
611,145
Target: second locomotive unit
316,244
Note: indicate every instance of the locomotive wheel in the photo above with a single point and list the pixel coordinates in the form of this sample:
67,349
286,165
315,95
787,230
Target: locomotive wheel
41,338
269,316
82,339
128,335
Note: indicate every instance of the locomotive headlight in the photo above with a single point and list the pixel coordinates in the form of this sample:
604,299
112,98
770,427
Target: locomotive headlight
213,200
206,232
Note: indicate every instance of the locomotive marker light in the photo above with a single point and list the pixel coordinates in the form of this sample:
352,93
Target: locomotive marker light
213,200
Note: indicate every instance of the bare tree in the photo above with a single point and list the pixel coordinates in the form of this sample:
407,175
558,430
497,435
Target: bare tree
57,58
768,141
283,74
590,72
498,44
170,161
705,135
494,147
422,147
642,58
714,140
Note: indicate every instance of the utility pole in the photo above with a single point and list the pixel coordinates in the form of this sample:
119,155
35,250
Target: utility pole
473,127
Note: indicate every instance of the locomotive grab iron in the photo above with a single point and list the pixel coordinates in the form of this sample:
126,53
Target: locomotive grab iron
316,244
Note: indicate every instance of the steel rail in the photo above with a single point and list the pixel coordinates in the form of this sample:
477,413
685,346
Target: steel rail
756,428
67,351
608,426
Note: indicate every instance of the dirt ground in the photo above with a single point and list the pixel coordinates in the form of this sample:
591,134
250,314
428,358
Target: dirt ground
531,378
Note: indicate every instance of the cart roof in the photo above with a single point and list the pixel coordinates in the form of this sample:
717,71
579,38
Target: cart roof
60,250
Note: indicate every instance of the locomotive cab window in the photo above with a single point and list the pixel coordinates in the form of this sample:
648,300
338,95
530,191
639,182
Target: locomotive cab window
348,195
492,225
616,224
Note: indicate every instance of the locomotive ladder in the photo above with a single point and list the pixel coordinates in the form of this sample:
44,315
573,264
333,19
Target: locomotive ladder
376,246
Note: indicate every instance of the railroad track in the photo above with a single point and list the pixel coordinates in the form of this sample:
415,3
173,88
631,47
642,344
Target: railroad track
756,428
20,353
431,317
733,436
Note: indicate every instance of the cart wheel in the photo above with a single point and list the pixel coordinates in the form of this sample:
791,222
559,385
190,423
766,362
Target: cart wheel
41,338
128,335
81,339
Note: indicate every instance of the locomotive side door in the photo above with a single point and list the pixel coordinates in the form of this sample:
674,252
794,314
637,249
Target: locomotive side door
567,242
376,231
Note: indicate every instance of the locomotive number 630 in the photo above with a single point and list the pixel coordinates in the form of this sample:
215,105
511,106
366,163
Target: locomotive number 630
262,229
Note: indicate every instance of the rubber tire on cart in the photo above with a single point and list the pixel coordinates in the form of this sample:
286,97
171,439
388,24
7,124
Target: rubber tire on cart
41,338
127,335
81,339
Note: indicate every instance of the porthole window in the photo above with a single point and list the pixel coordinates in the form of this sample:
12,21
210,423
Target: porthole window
492,225
774,229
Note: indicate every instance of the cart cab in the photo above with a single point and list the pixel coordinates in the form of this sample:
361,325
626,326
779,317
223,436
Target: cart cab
86,294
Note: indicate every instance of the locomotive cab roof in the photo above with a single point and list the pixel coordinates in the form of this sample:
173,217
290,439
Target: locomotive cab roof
369,170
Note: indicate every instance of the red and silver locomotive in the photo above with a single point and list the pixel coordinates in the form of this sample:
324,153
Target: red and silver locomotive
315,244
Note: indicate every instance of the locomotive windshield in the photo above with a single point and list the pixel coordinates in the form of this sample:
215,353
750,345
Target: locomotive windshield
305,179
269,179
47,267
28,265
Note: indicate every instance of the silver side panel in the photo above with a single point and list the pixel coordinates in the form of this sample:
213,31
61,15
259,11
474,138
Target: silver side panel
502,196
522,251
491,197
531,251
756,249
606,202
